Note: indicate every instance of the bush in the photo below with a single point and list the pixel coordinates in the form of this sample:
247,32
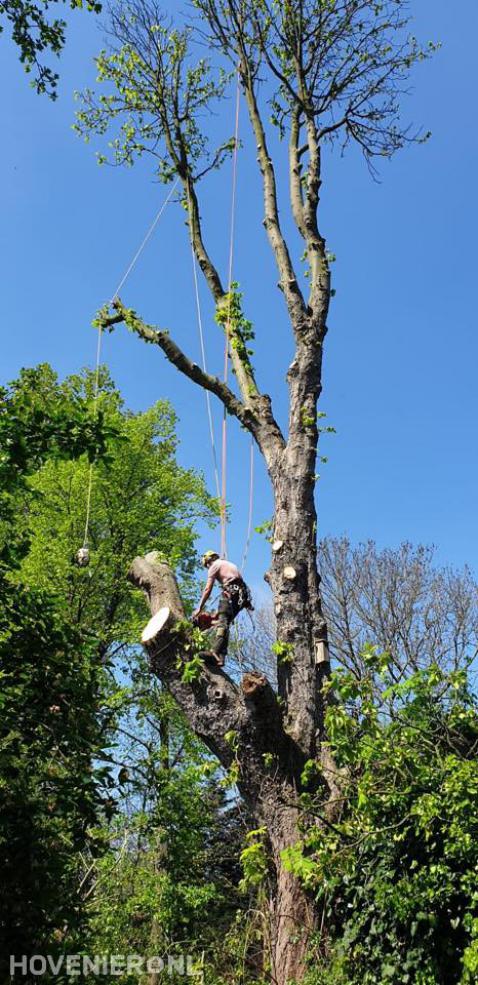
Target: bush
395,871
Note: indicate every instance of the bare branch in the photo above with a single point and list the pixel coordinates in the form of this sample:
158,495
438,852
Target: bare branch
288,278
177,357
295,171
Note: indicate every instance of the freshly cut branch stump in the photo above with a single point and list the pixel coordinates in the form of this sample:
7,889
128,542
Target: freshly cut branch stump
160,625
253,682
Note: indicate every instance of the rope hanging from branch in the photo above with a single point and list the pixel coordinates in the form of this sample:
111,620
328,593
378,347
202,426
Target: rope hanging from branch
83,555
228,320
251,506
204,361
221,482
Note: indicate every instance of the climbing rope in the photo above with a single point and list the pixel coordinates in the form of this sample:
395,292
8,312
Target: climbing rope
251,506
228,320
221,483
204,361
82,556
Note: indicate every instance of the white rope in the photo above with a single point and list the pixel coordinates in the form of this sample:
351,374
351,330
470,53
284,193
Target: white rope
203,357
98,345
221,483
95,409
251,506
228,322
145,240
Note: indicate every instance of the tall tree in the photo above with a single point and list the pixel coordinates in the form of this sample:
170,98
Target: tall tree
63,629
320,72
51,730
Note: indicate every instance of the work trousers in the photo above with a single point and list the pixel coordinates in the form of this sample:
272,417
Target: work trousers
235,596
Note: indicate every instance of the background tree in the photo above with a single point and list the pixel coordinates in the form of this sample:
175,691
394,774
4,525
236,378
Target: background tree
51,729
169,884
37,35
319,72
394,875
64,631
140,497
399,599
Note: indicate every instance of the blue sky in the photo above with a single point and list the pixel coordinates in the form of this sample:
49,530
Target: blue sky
401,353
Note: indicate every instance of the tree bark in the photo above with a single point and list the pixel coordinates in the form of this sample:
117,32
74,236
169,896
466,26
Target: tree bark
292,915
266,753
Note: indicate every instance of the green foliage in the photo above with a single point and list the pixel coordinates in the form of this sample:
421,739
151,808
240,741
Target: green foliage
358,56
230,316
157,92
52,735
396,874
39,421
232,776
52,793
158,881
195,642
169,880
308,420
254,859
141,499
283,651
232,739
36,34
63,631
266,529
324,429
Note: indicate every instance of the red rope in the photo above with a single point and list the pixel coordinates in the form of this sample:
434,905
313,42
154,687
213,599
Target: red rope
222,491
204,361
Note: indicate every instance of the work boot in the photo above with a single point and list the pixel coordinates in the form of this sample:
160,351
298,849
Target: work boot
210,657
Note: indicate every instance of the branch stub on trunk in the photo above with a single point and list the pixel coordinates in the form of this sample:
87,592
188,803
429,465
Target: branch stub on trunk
253,682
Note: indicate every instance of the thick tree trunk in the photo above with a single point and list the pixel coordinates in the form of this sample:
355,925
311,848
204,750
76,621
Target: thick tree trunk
286,730
292,916
214,705
295,583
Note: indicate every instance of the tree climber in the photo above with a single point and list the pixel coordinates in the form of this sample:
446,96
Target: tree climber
235,596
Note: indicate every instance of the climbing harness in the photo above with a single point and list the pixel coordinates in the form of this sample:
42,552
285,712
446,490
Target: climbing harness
83,555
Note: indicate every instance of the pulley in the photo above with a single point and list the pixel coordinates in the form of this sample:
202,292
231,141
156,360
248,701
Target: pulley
82,557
